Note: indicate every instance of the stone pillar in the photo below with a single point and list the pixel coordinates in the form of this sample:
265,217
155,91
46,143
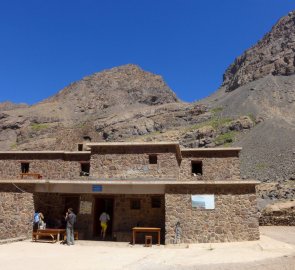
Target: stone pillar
16,214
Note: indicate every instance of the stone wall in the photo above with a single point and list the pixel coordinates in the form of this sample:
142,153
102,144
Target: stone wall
133,165
126,163
234,218
16,213
125,218
281,217
216,167
49,166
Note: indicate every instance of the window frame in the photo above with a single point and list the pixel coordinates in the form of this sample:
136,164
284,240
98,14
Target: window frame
196,167
153,159
82,172
25,166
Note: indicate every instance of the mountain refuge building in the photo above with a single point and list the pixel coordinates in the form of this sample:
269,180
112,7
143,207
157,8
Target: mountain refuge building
191,195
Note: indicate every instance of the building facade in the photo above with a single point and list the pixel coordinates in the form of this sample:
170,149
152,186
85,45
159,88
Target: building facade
193,195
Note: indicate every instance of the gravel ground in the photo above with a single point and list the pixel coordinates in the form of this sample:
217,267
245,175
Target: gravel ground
275,250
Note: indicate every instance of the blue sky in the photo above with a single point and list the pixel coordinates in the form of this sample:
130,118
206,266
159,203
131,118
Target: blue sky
46,45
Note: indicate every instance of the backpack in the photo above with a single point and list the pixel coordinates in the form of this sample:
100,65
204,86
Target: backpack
36,218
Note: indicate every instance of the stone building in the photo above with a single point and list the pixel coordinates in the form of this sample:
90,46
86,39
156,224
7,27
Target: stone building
138,184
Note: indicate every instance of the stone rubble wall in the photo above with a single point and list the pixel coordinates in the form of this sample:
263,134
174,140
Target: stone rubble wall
278,218
125,164
234,218
126,218
216,167
134,165
48,169
16,213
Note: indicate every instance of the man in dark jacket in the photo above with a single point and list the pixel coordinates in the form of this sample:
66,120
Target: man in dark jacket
71,220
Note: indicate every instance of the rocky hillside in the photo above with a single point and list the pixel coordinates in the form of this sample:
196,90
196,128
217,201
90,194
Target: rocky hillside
274,54
261,83
116,104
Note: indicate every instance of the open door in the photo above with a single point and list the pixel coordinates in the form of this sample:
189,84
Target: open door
103,205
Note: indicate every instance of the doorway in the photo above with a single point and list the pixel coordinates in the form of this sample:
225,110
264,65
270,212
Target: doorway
103,204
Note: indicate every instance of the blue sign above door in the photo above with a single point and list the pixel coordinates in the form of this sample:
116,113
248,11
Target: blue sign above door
96,188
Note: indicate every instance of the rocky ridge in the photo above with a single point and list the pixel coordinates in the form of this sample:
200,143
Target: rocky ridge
274,55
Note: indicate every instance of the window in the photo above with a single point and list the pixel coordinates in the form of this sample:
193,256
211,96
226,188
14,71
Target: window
197,167
25,167
156,202
85,169
153,159
87,138
80,146
135,204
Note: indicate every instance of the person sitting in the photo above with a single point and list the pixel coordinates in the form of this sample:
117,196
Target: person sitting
38,221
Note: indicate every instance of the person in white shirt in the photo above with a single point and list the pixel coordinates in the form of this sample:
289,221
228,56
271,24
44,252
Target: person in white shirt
104,219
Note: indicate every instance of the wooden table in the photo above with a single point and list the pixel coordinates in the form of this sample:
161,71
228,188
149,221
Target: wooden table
56,232
145,230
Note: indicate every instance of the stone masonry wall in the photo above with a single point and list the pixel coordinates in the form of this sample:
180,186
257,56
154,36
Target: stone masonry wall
234,218
125,218
52,205
215,168
134,165
16,213
49,169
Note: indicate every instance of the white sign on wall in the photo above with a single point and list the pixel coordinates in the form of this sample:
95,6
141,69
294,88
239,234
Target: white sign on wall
85,207
203,201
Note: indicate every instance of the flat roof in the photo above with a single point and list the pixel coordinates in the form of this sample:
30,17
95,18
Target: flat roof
128,182
46,152
132,143
217,149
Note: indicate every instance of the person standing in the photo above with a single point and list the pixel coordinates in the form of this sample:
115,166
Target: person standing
104,219
71,220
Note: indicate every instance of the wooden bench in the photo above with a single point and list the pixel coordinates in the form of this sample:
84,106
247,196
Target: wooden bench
35,175
76,236
37,235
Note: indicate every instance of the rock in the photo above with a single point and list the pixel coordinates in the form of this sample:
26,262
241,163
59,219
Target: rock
274,55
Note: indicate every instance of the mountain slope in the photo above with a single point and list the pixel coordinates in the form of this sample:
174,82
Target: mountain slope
273,54
114,104
261,83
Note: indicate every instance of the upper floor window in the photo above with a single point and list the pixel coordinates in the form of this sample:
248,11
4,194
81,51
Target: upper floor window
85,169
80,146
153,159
25,167
197,167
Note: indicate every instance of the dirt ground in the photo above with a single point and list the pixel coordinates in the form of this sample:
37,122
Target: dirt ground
275,250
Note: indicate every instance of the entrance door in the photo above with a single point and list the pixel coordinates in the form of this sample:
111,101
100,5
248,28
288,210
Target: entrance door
103,205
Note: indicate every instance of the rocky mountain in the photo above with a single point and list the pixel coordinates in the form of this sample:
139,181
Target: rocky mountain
274,55
115,104
261,83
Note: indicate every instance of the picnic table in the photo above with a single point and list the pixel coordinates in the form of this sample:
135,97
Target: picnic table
136,230
56,233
